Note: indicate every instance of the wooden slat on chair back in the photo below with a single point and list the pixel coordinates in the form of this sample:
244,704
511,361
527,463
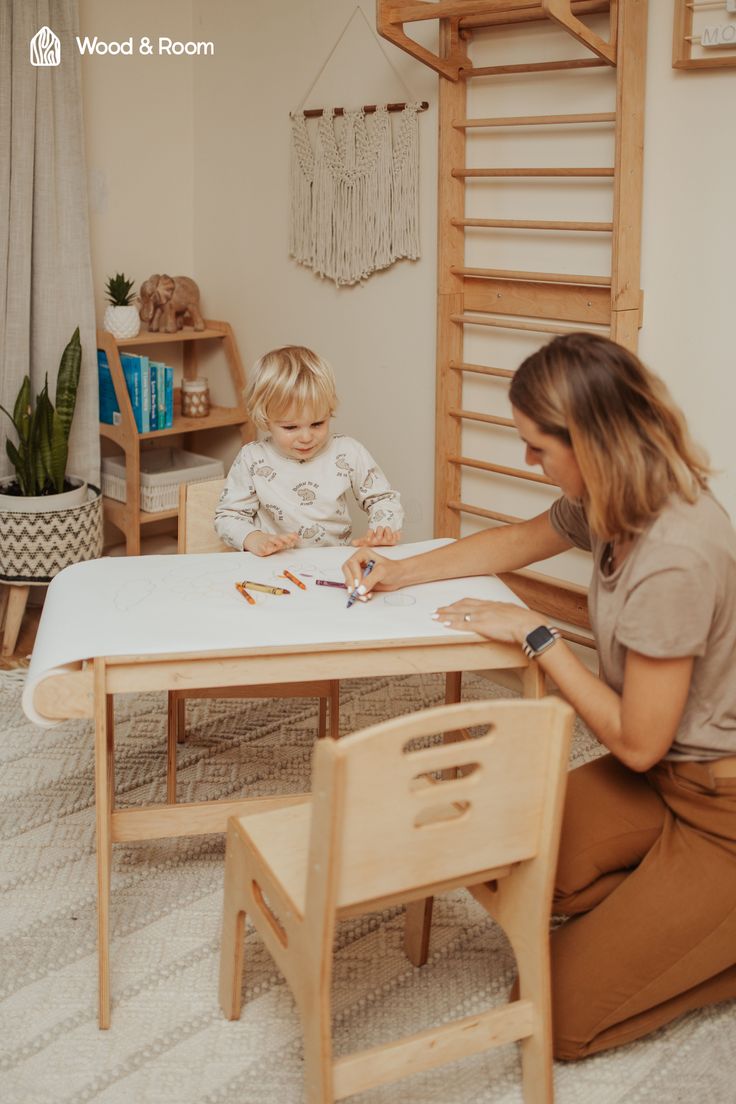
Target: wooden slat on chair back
197,502
396,829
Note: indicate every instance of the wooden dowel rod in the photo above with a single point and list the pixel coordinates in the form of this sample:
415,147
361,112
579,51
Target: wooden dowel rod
537,277
368,109
499,469
481,369
533,67
532,327
509,14
492,515
460,173
536,120
533,224
475,416
454,9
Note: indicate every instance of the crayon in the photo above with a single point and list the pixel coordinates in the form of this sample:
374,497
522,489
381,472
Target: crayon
293,579
329,582
366,572
264,588
241,590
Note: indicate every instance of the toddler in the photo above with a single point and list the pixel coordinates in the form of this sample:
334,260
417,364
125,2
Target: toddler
290,487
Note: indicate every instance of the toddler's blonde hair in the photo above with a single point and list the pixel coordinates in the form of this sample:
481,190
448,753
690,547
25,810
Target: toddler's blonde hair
287,377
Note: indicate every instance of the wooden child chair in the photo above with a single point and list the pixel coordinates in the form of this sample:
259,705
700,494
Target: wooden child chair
197,502
389,824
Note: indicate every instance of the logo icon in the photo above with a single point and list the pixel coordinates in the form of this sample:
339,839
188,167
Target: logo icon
45,48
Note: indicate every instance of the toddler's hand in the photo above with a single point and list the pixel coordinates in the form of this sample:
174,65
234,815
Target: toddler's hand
382,537
265,544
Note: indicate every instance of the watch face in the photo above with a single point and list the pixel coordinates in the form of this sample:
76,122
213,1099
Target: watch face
539,638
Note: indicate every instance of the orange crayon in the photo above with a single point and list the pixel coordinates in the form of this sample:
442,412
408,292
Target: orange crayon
248,597
293,579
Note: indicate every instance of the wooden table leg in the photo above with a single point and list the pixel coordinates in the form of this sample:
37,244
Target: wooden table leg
532,681
334,709
172,739
417,929
104,790
14,610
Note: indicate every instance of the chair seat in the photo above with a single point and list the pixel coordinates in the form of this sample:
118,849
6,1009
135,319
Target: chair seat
281,839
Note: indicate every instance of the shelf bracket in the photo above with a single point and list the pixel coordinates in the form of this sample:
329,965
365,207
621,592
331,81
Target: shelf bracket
561,12
390,18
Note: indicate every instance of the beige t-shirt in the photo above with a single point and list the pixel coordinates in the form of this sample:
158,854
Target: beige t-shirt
673,595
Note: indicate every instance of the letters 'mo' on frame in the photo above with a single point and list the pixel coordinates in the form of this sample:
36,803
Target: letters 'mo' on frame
704,34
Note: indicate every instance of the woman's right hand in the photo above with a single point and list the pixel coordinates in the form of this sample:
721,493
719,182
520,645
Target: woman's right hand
386,575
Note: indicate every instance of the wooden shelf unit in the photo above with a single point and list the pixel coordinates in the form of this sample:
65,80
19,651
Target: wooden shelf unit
127,516
512,300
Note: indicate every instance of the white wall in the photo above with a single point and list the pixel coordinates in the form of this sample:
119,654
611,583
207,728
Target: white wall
189,172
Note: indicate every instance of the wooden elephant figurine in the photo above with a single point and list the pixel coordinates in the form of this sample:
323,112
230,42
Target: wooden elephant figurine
166,301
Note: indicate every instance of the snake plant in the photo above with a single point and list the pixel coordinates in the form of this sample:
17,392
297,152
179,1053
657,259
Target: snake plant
40,456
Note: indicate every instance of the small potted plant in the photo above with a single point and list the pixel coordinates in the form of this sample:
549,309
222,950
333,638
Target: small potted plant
48,519
121,317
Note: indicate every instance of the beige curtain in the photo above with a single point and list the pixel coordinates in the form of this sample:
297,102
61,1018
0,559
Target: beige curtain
45,268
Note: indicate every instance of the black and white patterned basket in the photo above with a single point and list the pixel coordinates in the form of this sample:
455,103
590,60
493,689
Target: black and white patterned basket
36,546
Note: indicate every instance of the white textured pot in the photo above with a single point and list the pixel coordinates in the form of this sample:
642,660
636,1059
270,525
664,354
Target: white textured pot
42,504
122,322
39,536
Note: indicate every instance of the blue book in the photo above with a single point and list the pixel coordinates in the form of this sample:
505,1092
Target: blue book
132,373
109,406
158,373
154,396
145,371
169,396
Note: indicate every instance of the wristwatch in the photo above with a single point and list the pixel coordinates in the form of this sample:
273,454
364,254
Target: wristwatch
539,640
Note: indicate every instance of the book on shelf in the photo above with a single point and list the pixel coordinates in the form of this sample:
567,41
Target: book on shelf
134,382
154,396
109,406
158,384
169,376
150,385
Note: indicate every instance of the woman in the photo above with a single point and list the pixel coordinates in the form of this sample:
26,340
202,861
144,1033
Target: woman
647,865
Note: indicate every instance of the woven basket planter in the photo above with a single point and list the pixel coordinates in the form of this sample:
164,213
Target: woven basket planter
35,546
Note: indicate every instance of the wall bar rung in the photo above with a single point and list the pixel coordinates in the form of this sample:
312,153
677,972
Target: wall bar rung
532,224
499,469
594,172
476,416
532,327
533,67
536,120
492,515
537,277
482,370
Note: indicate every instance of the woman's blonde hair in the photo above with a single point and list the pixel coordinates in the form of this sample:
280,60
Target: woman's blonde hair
287,377
630,440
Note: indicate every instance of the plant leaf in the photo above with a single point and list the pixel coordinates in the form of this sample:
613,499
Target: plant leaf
21,410
67,382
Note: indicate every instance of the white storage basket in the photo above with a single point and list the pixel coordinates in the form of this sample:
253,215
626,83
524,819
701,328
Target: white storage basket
163,470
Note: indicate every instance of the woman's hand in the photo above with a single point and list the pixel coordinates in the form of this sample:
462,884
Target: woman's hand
386,575
265,544
502,621
381,537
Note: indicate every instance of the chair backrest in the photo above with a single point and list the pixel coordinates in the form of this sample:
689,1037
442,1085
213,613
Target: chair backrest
197,502
398,818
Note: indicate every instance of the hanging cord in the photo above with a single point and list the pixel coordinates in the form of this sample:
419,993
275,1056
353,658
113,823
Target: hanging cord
327,60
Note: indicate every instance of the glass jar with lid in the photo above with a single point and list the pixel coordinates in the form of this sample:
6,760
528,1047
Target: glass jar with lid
195,398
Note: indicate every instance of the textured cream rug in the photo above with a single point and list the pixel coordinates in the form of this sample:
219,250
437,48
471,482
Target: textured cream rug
168,1041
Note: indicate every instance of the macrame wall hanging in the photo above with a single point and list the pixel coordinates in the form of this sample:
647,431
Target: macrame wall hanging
355,191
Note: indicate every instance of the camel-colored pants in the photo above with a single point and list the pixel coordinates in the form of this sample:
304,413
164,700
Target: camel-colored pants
647,871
